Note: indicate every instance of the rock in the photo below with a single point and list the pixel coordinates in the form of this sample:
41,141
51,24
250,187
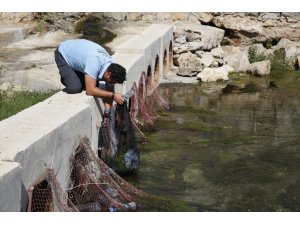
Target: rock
192,36
194,45
292,48
181,39
268,16
213,74
199,53
135,16
261,26
116,15
15,17
178,32
236,58
179,16
178,49
260,49
149,17
244,24
261,68
162,16
214,64
229,68
211,37
220,62
218,52
189,65
204,17
207,59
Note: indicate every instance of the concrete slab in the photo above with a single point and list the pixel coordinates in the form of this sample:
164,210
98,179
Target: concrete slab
10,187
10,35
46,134
33,70
48,40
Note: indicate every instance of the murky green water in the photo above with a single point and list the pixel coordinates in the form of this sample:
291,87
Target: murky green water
227,147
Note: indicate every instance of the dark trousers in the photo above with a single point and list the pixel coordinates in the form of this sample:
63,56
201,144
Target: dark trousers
72,79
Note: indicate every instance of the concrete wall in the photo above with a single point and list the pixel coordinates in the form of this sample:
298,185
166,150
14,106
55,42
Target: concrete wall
46,134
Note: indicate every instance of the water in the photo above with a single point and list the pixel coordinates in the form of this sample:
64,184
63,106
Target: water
227,146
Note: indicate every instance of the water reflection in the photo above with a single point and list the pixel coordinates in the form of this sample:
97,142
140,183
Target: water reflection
233,151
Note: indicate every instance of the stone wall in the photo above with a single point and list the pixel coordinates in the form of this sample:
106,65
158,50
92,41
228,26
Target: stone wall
244,26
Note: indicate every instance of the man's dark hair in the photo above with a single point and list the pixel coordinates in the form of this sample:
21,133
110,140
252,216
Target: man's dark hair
118,73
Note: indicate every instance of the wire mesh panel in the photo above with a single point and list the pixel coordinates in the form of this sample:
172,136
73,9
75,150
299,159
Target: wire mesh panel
92,187
148,105
46,195
95,185
127,157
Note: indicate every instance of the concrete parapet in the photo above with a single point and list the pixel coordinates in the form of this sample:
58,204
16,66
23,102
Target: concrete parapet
10,186
46,134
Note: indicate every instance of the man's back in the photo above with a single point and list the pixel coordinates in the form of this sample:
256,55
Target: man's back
85,56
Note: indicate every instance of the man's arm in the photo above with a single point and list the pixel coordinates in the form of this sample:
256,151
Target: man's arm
93,90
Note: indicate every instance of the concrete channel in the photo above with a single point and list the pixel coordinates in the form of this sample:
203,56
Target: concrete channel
45,135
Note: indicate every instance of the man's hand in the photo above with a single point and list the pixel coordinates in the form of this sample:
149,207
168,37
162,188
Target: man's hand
119,99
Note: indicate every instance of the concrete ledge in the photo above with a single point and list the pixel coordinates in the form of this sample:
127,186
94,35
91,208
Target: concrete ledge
10,186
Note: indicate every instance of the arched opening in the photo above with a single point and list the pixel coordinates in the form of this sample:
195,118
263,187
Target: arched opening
170,55
156,70
141,87
165,65
149,81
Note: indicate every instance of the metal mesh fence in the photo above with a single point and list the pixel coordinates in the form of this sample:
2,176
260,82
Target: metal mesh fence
94,181
93,186
46,195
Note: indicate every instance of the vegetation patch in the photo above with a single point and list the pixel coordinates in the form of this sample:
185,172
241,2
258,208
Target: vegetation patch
154,203
254,55
12,101
278,59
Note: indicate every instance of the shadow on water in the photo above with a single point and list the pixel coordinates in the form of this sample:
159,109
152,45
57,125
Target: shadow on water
227,146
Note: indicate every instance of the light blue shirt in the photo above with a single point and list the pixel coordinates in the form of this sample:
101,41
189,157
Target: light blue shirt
85,56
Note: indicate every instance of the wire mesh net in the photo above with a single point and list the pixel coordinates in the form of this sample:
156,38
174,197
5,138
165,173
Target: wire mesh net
46,195
147,104
117,144
92,181
93,184
92,187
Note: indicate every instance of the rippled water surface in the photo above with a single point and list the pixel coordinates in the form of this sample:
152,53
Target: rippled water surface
228,146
